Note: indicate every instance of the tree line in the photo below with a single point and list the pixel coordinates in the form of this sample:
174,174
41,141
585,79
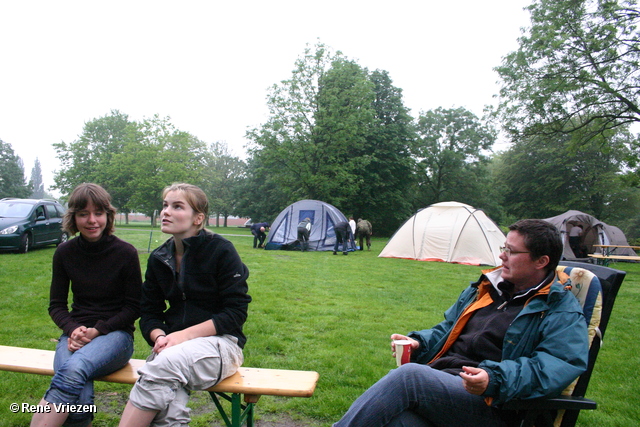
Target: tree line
340,133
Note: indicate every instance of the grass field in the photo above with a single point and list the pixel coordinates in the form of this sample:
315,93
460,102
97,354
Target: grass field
311,311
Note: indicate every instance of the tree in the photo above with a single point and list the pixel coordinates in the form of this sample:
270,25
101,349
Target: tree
336,133
12,179
385,166
222,172
545,177
287,144
91,158
450,154
341,135
133,161
36,181
577,68
162,156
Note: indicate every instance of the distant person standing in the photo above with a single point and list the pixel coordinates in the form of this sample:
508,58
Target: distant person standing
259,235
304,231
575,235
343,234
364,229
352,224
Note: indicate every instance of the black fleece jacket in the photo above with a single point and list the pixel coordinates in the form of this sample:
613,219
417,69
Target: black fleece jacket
105,280
212,284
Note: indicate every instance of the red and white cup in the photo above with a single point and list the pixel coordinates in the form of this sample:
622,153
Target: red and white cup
403,351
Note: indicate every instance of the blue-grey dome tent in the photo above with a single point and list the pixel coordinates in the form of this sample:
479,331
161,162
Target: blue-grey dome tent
283,233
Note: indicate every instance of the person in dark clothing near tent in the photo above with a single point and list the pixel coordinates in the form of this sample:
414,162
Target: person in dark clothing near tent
343,235
259,235
304,230
364,229
575,236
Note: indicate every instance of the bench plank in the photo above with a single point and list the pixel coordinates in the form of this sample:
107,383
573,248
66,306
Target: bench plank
615,257
249,381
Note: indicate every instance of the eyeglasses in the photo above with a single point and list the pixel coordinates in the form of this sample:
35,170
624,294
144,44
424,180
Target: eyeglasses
509,251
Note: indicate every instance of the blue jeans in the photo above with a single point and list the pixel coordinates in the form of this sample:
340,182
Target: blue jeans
75,371
341,238
418,395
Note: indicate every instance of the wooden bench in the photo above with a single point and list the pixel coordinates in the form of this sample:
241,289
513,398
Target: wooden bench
605,259
250,382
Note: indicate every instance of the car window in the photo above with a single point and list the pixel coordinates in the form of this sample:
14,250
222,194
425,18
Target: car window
51,210
60,210
14,209
40,212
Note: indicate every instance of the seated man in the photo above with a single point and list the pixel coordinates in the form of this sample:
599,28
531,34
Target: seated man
516,333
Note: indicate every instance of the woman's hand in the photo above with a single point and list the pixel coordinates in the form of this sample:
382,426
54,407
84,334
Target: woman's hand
166,341
80,337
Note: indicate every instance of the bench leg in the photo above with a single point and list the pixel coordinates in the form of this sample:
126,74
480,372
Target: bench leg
239,413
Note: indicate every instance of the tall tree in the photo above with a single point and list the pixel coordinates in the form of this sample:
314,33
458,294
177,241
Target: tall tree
385,166
222,173
164,155
451,154
12,179
577,68
336,133
287,144
546,177
91,157
133,161
343,124
36,181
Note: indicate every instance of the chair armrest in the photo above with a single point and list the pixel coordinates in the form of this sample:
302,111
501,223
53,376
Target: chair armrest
555,403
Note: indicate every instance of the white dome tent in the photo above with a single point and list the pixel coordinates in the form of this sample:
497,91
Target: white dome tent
448,232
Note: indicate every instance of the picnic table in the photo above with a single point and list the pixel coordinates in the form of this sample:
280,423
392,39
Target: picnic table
608,254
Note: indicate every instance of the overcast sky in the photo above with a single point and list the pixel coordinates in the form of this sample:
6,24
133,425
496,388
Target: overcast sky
208,64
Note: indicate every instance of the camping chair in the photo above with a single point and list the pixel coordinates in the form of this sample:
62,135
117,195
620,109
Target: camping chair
596,287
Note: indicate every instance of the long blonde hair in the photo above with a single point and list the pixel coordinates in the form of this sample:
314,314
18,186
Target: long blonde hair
194,196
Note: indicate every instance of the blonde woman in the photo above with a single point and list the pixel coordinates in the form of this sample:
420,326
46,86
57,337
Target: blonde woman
197,341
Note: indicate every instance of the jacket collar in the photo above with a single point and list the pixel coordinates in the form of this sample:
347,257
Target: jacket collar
494,277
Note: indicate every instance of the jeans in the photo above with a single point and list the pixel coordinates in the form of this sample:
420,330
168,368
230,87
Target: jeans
303,238
418,395
75,371
258,238
341,237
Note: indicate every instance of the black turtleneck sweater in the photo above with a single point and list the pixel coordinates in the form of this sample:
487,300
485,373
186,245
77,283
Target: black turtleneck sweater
106,283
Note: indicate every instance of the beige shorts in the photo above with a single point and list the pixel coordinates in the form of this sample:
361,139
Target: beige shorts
166,379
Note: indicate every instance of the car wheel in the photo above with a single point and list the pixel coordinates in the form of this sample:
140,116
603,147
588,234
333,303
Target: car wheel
63,238
25,243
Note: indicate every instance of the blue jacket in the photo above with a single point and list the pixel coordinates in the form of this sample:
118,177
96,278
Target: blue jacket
544,349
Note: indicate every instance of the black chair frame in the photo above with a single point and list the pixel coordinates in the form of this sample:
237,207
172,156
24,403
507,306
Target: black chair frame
542,412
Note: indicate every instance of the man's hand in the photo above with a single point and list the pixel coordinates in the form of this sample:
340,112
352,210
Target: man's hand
475,380
414,344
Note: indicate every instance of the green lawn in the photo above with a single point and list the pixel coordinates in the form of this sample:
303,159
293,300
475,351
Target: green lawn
311,311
